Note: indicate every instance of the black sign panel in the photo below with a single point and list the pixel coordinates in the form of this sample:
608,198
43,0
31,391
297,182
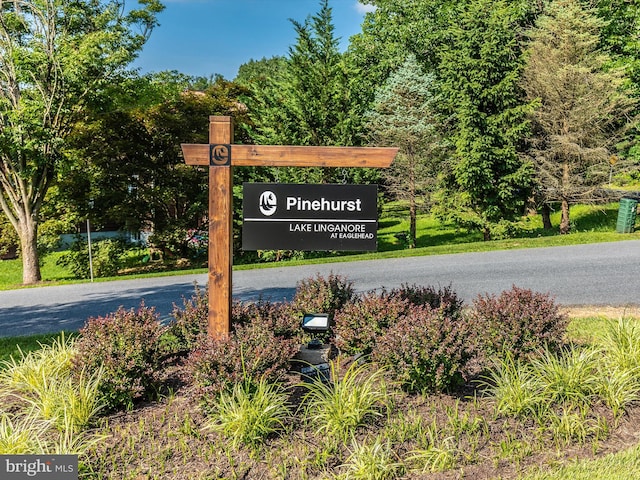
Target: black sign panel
309,217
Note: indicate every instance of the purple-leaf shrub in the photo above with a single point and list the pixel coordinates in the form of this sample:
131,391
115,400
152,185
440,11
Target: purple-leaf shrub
322,295
426,350
359,324
126,345
251,351
189,324
518,321
443,297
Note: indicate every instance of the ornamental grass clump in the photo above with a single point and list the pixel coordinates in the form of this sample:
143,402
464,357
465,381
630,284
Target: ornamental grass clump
249,412
620,345
518,321
568,377
516,389
32,371
375,461
427,350
338,407
126,346
22,435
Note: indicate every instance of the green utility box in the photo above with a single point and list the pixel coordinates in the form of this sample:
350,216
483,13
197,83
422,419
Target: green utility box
627,215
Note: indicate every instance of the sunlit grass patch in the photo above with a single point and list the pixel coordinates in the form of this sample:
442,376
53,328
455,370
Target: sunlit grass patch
620,466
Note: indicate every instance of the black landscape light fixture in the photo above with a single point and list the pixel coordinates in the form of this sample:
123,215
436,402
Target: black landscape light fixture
315,323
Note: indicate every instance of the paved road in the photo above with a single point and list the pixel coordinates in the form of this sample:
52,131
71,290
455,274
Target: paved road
600,274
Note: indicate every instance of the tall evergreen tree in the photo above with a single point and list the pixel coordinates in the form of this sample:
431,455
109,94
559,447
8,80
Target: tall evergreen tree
583,106
310,102
479,70
404,115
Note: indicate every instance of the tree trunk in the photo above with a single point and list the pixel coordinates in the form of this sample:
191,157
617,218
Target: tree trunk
546,216
412,224
565,224
28,234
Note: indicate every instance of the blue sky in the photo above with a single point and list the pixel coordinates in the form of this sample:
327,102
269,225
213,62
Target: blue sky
205,37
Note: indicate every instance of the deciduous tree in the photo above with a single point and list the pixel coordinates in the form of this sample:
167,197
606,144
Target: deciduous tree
55,56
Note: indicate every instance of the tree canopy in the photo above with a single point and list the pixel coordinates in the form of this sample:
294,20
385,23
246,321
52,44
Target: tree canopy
531,99
56,56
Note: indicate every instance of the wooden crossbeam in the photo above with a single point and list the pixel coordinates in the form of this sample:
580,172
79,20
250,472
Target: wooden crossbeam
295,156
221,155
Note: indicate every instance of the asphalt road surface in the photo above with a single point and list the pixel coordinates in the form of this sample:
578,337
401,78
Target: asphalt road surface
597,274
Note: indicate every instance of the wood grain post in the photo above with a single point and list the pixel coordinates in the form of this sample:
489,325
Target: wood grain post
220,232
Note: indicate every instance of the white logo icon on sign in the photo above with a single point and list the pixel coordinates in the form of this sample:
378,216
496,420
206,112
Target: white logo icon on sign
268,203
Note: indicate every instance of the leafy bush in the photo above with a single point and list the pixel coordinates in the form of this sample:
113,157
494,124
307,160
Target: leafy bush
172,242
359,323
279,317
8,238
126,346
420,295
322,295
190,323
426,350
107,258
518,321
250,353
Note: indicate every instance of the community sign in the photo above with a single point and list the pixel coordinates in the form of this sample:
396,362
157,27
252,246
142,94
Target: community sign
309,217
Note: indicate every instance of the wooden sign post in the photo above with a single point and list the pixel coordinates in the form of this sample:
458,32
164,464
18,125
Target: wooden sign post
220,155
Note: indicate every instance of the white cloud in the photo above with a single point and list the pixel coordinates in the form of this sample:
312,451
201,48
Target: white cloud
362,9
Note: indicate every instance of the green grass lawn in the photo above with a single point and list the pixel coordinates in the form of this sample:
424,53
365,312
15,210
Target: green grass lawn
623,465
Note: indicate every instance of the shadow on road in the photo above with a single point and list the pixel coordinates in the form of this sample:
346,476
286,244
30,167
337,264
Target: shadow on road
70,316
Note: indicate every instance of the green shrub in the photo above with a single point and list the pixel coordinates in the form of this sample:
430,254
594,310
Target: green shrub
126,346
171,243
107,258
426,350
518,321
250,353
360,323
